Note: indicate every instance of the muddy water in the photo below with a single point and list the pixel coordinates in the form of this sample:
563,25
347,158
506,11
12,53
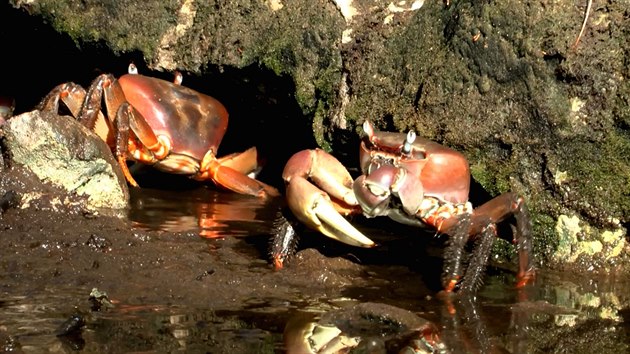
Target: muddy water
556,314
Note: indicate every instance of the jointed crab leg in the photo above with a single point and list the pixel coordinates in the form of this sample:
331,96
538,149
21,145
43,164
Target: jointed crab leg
72,96
482,224
480,254
495,211
231,173
454,252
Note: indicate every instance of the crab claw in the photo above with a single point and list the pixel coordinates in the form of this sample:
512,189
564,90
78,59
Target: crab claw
315,209
313,206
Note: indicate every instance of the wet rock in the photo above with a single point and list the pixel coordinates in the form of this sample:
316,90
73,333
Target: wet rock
63,153
70,326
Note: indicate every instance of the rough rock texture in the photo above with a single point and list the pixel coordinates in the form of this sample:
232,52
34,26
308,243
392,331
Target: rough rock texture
66,155
501,81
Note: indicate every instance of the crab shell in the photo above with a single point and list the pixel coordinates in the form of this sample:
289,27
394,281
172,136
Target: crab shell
409,168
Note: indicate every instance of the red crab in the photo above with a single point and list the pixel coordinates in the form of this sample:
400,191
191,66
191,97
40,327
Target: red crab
164,124
413,181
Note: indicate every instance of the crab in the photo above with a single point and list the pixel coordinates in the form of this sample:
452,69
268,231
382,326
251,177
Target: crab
160,123
363,327
413,181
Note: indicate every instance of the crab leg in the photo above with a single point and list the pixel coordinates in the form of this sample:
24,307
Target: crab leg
72,96
231,173
245,162
313,206
125,117
498,209
474,273
454,252
482,223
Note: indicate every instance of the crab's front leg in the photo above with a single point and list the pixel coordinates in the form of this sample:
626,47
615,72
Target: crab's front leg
318,192
231,172
85,106
72,96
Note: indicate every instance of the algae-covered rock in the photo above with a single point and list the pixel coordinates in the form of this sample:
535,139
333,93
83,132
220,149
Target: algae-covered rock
501,81
589,248
65,154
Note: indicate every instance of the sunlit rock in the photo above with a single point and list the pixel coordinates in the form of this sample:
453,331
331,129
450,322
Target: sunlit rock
579,242
63,153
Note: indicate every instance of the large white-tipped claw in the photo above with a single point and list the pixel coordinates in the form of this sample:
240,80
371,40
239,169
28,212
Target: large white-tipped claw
337,227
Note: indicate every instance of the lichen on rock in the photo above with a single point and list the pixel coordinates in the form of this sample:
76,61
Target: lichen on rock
65,154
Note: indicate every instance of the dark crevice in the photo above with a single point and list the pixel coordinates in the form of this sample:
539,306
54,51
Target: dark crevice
262,107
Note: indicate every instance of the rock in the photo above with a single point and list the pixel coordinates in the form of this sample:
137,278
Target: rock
63,153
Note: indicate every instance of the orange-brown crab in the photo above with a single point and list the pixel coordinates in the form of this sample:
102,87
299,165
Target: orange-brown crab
413,181
164,124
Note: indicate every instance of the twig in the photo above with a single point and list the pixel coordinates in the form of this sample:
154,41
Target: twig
589,4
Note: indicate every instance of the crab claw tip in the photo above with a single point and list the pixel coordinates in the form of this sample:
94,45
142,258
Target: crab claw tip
337,227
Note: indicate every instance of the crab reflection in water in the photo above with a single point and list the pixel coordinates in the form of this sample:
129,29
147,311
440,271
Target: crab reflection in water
208,212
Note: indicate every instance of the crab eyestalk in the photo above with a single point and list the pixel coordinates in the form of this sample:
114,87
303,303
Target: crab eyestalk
368,128
411,137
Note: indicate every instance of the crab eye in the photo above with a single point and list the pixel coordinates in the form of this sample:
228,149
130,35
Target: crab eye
411,137
132,69
368,129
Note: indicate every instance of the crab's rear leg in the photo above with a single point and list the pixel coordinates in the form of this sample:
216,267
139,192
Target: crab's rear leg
128,123
500,208
482,226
